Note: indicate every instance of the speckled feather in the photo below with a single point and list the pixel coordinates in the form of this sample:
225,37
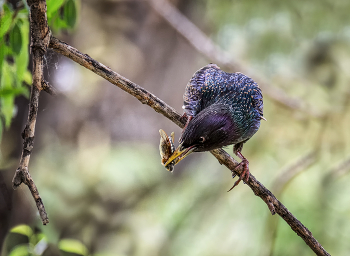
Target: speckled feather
242,96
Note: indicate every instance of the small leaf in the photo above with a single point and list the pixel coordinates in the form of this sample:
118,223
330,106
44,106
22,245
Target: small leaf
70,13
7,100
27,77
5,20
16,39
23,230
6,76
22,59
53,6
7,108
2,54
73,246
58,23
15,91
21,250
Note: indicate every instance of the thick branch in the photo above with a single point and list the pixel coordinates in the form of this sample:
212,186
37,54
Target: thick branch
161,107
204,45
40,36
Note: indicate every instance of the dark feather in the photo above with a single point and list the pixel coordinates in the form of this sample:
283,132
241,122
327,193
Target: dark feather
226,108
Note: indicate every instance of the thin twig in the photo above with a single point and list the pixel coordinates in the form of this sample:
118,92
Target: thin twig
40,36
48,88
159,106
203,44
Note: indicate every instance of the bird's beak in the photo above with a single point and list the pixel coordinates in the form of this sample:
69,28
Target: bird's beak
179,154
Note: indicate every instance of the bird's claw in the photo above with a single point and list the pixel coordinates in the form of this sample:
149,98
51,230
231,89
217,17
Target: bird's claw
244,175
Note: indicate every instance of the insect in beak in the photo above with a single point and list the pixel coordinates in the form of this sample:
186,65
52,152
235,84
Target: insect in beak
179,154
166,149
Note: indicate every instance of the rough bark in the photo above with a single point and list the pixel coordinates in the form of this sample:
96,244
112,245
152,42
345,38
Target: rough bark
40,37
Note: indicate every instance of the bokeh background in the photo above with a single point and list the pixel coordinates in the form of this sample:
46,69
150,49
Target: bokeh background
96,161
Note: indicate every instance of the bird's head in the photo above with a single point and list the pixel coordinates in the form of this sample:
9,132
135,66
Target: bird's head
209,129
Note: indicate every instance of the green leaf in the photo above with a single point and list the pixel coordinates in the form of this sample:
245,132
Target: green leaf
21,250
27,77
53,6
2,54
58,23
22,59
16,39
73,246
5,20
13,91
7,107
70,13
23,230
7,100
6,76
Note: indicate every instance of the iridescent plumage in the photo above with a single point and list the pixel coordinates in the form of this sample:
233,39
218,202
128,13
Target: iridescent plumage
222,109
239,93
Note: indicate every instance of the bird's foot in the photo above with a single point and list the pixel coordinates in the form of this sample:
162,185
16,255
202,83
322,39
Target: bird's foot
244,175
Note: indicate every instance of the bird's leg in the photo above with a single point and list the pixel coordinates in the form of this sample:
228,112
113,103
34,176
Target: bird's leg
244,163
245,174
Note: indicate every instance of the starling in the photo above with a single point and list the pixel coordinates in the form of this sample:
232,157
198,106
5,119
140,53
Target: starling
221,109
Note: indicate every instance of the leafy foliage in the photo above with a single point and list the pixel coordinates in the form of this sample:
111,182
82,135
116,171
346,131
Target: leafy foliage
22,240
62,14
14,58
14,50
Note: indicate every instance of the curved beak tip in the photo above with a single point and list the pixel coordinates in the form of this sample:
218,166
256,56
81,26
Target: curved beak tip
179,154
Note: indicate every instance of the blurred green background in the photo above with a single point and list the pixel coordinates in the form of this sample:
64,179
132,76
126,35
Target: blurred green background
96,161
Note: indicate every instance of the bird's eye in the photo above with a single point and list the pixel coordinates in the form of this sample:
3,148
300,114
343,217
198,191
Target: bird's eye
201,139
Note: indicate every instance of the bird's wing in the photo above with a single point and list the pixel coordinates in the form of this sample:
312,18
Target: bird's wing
200,89
210,85
249,95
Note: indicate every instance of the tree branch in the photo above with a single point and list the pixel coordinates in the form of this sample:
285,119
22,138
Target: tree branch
204,45
40,37
159,106
48,88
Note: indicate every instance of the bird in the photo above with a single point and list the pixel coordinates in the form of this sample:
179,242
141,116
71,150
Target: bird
222,109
